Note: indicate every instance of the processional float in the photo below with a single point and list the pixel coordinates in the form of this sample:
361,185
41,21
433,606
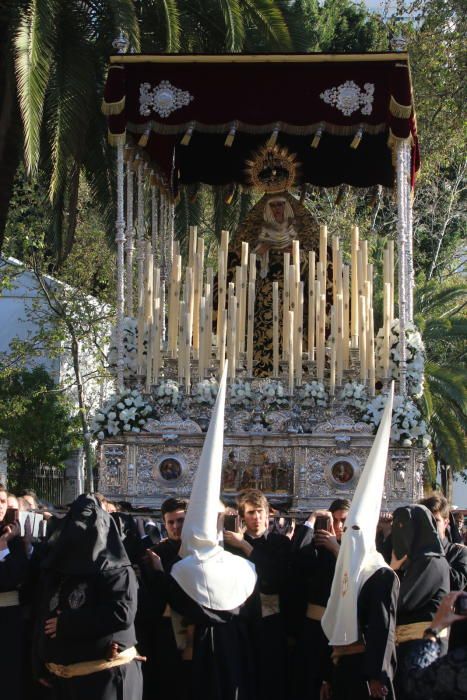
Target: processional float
290,306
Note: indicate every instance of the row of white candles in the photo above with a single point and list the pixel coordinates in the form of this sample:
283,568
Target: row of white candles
190,312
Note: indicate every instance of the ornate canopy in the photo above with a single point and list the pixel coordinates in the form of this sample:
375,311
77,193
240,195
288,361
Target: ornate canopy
199,118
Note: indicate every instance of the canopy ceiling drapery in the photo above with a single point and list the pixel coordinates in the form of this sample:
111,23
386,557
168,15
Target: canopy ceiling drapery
180,110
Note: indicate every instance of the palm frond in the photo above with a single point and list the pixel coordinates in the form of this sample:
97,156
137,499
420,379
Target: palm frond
450,439
235,29
449,384
34,44
447,329
431,298
270,19
172,19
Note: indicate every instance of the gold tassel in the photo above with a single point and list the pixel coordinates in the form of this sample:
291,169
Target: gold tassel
188,134
110,108
116,139
399,111
230,195
317,137
144,138
357,138
230,136
273,138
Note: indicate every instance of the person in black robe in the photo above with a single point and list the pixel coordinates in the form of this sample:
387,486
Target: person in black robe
85,640
418,557
264,610
222,665
313,563
364,673
165,662
13,572
426,674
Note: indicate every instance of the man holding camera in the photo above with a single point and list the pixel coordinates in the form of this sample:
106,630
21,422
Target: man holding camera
315,550
13,571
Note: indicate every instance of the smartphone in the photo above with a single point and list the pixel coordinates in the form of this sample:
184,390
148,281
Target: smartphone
323,522
11,516
231,523
460,606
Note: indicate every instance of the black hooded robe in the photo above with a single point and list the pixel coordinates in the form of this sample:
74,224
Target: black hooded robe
264,612
13,571
377,606
222,665
314,567
165,672
89,585
425,578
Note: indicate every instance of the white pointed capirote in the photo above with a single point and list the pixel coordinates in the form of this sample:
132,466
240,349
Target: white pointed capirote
211,576
358,558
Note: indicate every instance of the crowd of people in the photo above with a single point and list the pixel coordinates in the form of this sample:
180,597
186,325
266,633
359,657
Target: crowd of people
95,607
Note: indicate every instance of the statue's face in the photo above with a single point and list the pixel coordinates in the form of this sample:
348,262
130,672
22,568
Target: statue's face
278,209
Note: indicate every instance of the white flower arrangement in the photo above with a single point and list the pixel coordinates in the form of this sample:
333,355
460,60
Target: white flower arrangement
126,413
313,394
167,393
273,394
241,394
354,394
205,392
415,356
130,349
408,427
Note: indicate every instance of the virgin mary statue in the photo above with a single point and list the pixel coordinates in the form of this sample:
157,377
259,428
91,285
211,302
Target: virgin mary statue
270,227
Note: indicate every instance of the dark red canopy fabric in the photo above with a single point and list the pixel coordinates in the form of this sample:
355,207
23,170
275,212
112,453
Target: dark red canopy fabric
179,109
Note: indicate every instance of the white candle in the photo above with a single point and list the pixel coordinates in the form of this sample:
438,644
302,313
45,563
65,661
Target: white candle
202,337
362,339
275,329
181,342
285,307
386,328
339,339
251,319
355,284
323,249
391,277
298,340
335,250
221,296
291,351
371,352
322,336
311,304
332,372
346,325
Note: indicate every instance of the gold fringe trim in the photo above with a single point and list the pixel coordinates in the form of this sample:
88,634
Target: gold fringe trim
260,58
317,138
272,140
230,137
188,134
243,127
116,139
112,108
143,141
398,110
356,139
393,140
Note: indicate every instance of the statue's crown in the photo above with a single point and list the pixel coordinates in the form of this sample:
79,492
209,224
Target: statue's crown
272,169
